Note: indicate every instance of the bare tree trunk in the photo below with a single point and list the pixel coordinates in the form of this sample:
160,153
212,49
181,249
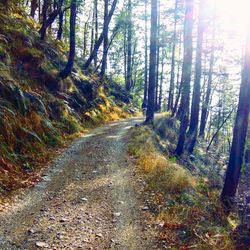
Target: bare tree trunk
47,22
186,75
152,64
178,81
144,104
96,29
239,136
60,28
34,6
105,39
205,105
98,43
195,109
67,70
128,83
157,61
161,80
85,38
172,77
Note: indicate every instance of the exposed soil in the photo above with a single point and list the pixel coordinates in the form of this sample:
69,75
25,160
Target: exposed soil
90,198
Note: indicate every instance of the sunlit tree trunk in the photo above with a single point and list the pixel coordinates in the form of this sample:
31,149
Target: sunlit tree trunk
68,68
152,64
239,135
129,48
96,29
157,61
186,75
172,77
205,105
144,104
195,108
98,43
161,80
105,39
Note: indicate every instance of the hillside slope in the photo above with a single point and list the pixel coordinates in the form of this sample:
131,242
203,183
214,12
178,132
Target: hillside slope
38,112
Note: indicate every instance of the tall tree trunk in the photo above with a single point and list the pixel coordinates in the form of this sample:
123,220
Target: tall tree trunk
94,52
92,28
157,61
125,52
67,70
34,6
239,135
44,18
144,104
128,83
96,29
172,77
152,64
60,28
85,38
161,80
186,75
178,81
47,22
105,39
205,105
195,108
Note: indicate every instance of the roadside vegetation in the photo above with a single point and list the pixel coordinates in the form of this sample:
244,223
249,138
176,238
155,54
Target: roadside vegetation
187,211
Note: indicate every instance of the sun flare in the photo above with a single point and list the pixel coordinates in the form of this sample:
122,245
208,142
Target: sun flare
234,15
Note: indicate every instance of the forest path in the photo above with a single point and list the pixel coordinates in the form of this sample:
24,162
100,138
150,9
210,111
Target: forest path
89,199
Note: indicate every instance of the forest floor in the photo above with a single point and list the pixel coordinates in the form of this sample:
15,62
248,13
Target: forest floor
90,198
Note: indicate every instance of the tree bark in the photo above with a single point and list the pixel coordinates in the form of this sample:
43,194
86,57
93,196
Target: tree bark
172,77
96,28
67,70
144,104
195,108
60,28
157,61
105,39
47,22
152,64
34,6
205,105
161,80
239,135
186,75
128,83
93,53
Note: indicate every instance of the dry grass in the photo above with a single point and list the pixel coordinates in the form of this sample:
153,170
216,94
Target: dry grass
161,174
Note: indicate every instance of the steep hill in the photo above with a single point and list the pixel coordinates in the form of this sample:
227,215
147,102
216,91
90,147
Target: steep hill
38,112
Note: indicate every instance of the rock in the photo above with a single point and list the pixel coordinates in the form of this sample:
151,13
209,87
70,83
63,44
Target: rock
41,244
63,220
118,214
145,208
99,235
31,231
84,199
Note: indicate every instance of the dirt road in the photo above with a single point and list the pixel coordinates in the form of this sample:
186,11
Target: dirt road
90,198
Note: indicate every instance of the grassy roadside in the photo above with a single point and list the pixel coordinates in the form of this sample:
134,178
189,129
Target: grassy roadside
188,214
